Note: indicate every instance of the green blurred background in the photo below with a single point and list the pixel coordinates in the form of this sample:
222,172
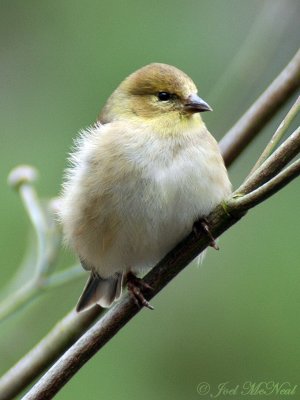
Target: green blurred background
236,318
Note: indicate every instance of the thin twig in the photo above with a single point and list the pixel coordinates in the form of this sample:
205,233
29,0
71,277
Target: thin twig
17,299
48,245
46,352
266,190
31,289
65,276
278,160
246,128
278,135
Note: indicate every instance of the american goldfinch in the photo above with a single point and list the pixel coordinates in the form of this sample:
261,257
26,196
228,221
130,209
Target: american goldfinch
139,179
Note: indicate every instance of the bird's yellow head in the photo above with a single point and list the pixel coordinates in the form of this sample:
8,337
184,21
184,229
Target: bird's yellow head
156,92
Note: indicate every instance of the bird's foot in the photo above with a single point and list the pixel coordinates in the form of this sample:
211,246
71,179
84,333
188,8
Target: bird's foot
202,226
136,286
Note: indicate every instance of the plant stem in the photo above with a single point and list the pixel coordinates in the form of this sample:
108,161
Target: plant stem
278,135
265,107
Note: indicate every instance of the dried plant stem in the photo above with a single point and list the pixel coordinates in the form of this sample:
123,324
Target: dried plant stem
265,107
279,159
266,190
278,135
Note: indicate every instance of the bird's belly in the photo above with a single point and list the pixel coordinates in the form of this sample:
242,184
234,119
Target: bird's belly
160,208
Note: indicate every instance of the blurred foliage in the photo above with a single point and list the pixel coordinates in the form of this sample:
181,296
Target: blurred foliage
236,318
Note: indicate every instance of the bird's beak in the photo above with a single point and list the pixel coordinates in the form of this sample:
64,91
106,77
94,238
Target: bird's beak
195,104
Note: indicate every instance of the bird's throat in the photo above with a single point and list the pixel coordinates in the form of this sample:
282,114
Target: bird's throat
177,125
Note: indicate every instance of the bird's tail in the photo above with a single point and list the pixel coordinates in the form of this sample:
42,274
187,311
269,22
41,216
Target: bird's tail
100,291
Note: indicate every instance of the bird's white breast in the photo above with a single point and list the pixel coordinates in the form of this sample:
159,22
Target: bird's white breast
174,182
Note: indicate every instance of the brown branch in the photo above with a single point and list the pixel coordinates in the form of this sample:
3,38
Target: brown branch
40,357
62,336
278,135
268,189
266,106
279,159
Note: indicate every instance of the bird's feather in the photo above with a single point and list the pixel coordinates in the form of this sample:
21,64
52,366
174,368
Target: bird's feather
100,291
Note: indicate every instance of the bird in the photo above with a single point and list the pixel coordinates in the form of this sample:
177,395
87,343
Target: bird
138,179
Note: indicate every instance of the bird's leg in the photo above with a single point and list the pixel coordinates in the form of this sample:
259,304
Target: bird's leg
135,286
202,226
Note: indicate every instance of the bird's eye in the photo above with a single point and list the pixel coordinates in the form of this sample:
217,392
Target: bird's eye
164,96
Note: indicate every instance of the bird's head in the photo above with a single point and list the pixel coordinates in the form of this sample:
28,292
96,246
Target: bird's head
156,91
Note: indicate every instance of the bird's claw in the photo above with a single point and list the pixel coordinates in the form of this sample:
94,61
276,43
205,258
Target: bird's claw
135,286
202,226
